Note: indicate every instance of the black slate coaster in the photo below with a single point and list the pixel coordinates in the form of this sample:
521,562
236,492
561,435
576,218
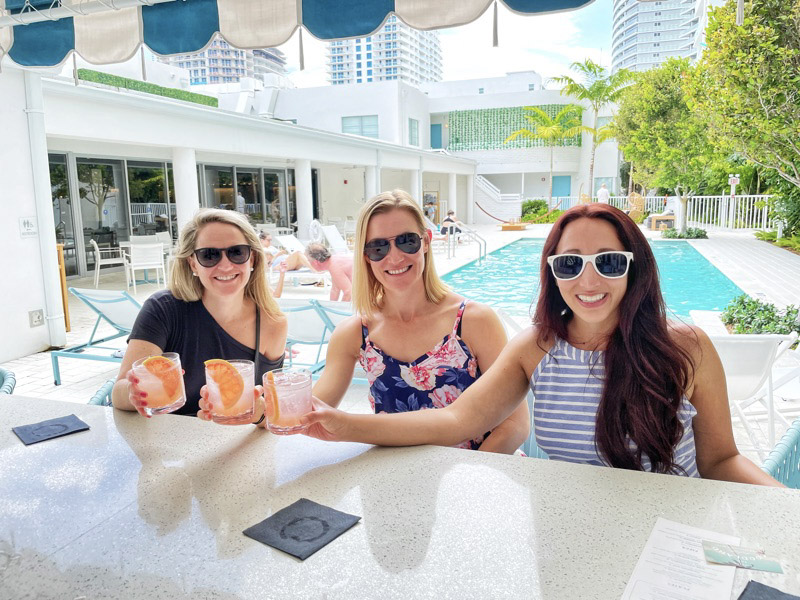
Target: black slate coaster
46,430
302,528
759,591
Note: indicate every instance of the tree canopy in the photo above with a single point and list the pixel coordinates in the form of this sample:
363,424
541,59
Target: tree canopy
658,132
747,86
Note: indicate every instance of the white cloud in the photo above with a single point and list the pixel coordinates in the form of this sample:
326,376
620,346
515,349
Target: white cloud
547,44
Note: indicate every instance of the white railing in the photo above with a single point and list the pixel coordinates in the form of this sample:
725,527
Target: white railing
724,212
146,212
488,187
517,198
653,204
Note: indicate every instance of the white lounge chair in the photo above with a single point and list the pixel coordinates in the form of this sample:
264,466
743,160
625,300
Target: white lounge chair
748,361
334,239
290,243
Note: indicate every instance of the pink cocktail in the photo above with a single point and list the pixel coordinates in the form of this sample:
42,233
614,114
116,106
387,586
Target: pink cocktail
161,379
289,391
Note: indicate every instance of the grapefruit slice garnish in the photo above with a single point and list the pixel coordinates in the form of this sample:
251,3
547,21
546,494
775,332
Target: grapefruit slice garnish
164,369
273,397
228,380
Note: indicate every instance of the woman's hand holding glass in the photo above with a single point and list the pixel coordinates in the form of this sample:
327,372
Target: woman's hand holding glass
136,396
326,423
258,397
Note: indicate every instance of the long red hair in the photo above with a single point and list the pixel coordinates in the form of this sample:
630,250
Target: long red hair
646,371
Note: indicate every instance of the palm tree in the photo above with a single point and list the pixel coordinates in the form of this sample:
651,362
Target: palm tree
553,130
599,90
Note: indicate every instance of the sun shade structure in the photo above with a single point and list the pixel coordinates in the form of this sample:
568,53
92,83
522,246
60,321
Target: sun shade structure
45,32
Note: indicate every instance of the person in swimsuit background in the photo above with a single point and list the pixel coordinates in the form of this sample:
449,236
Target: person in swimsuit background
615,383
420,344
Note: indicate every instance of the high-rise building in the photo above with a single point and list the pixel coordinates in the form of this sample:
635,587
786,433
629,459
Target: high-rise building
645,34
396,51
222,63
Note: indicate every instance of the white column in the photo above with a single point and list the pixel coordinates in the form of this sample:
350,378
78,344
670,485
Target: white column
43,200
370,182
415,187
378,167
471,199
452,194
522,188
187,198
305,199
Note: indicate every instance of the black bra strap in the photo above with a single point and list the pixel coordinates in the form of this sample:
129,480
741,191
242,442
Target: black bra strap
258,341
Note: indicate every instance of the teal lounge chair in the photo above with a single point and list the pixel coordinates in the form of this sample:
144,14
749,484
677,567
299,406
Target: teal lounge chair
7,381
783,463
102,397
117,308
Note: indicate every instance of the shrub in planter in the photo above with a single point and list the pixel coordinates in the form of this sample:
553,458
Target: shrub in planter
749,315
692,233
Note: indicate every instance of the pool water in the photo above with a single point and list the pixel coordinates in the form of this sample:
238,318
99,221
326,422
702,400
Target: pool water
508,278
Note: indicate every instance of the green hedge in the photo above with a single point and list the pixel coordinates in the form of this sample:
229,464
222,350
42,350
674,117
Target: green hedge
147,88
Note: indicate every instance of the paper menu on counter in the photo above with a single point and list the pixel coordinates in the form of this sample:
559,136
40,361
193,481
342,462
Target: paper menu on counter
672,566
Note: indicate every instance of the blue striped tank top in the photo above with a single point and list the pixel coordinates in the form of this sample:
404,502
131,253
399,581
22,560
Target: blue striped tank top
567,386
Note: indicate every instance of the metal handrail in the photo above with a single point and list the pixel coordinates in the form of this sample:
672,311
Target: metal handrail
482,245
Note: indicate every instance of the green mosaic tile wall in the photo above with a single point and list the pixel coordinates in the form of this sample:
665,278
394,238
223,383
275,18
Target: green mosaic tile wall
487,128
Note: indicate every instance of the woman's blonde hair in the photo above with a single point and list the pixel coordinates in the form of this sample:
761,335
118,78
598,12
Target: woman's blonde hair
367,296
185,286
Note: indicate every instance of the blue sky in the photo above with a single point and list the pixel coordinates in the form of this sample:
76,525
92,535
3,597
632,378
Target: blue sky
547,44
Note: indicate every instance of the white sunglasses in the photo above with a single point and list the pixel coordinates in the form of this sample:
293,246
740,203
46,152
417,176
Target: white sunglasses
611,265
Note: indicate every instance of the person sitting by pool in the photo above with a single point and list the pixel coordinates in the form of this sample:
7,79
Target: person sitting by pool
450,224
340,266
217,305
275,257
614,382
420,344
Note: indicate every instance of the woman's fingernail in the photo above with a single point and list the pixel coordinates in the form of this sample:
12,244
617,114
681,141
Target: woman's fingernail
144,403
143,394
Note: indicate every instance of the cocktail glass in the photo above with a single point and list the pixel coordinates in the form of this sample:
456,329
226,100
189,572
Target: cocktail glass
161,378
231,396
289,391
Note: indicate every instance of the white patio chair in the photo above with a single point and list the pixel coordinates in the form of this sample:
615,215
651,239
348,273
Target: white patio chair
145,257
748,360
334,239
105,256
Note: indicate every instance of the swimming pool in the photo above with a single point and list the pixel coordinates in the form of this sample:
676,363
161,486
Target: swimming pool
508,278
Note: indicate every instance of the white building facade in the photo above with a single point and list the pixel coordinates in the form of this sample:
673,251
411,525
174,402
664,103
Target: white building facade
645,34
395,52
468,119
220,63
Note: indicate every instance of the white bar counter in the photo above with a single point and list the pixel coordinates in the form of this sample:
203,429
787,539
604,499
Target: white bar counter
154,509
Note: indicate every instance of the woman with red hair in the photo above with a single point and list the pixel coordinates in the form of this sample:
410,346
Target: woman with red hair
615,383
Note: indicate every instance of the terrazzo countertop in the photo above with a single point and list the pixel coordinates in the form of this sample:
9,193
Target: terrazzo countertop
155,509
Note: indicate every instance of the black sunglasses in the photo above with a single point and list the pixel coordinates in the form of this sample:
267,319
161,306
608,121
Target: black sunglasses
377,249
208,257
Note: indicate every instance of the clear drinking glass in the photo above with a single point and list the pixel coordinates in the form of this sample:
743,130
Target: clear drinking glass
161,378
289,391
231,397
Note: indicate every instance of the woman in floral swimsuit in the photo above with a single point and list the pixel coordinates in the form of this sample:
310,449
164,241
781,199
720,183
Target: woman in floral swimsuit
420,344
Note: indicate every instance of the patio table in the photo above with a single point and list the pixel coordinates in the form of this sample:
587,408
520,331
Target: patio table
137,508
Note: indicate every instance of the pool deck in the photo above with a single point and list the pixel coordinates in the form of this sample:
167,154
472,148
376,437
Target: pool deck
760,269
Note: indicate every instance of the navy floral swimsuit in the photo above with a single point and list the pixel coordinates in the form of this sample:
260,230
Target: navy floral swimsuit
434,380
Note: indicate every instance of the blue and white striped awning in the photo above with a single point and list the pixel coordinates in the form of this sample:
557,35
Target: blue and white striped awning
45,32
